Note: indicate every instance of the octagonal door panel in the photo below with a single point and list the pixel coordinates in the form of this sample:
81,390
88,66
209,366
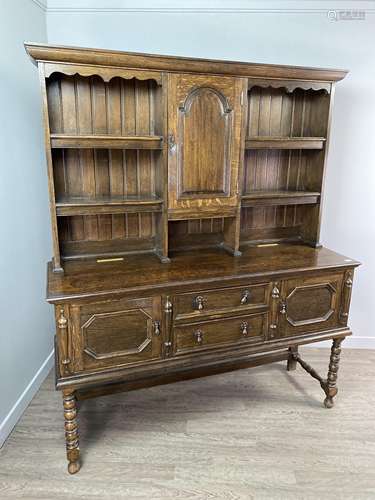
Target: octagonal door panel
204,121
117,333
310,304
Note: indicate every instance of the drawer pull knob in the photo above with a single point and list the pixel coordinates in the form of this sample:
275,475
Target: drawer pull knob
245,328
198,336
157,328
282,307
199,303
245,297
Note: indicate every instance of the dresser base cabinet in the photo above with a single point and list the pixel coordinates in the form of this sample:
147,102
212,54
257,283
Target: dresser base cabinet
190,319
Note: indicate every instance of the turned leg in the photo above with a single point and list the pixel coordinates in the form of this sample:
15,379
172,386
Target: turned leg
71,431
330,387
292,361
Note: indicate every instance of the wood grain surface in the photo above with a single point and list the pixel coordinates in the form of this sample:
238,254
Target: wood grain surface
89,279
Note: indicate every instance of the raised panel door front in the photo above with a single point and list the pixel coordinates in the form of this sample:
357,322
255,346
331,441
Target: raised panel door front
116,333
310,304
204,119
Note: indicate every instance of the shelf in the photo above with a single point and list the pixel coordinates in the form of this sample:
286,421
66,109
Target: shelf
284,142
257,198
107,205
106,141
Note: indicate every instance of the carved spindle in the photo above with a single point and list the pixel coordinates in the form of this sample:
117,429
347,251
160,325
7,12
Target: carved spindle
62,324
245,297
310,370
168,309
346,296
275,295
71,431
330,387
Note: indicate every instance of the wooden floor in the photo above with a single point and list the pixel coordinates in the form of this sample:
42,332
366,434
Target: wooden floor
259,433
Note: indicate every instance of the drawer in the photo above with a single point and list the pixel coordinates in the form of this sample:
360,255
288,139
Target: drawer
116,333
196,304
217,333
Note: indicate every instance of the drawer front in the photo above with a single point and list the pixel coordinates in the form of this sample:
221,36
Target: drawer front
310,304
197,304
216,333
116,333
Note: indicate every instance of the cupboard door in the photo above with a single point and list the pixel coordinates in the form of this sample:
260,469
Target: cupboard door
116,333
310,304
204,120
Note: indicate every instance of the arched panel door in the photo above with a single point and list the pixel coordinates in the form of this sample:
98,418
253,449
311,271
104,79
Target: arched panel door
204,119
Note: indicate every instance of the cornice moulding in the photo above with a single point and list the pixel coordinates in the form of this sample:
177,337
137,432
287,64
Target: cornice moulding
41,4
206,6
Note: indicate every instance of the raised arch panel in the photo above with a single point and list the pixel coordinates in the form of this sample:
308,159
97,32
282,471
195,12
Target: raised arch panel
204,121
204,138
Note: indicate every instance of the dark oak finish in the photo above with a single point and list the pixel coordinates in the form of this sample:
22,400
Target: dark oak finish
204,120
100,57
284,142
213,333
87,280
269,198
105,142
107,205
233,153
161,170
71,431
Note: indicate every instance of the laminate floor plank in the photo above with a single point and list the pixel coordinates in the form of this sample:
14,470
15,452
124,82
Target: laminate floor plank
260,433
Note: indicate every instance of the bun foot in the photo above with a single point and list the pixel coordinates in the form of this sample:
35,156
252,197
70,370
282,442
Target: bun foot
328,402
73,467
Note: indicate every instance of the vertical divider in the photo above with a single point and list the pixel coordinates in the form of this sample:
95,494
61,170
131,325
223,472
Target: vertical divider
51,187
232,225
162,176
316,181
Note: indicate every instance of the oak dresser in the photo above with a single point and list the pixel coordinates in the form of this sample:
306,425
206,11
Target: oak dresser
186,200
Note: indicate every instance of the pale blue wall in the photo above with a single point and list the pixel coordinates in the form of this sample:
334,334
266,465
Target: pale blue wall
26,330
302,34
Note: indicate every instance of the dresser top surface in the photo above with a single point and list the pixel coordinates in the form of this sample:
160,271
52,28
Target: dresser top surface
89,279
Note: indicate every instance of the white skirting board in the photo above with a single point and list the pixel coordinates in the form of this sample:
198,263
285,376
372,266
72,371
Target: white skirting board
6,426
352,342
